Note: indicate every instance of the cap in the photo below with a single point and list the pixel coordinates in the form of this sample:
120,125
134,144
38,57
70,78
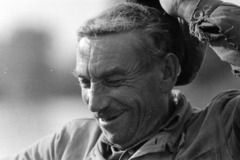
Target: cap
191,51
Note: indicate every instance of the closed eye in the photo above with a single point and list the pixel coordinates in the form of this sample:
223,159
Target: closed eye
113,82
84,82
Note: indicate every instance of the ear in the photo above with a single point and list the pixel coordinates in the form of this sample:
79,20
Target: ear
170,70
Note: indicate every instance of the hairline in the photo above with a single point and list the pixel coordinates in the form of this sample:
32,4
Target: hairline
142,45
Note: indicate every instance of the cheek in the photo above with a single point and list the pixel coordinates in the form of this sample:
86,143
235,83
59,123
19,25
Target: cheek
125,97
135,102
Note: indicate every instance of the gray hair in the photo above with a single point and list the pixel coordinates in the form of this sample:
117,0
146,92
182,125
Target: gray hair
155,38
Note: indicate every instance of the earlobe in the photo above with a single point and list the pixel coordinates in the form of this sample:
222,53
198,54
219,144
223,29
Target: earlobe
170,69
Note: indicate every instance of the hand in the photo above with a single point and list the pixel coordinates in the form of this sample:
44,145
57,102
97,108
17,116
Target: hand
174,8
168,6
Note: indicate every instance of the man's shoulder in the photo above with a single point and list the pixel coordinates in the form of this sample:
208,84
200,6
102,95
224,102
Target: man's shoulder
77,137
226,100
81,124
211,128
220,110
224,108
227,94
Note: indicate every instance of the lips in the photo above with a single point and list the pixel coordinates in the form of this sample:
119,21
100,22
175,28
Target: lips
111,118
105,118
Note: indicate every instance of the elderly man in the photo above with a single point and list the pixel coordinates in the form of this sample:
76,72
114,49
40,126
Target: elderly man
129,58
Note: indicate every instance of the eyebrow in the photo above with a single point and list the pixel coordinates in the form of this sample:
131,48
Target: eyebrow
107,73
76,74
112,72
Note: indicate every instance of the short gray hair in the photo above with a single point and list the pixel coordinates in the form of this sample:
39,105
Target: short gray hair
154,26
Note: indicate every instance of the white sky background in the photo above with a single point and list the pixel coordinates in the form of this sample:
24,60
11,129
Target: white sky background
61,17
67,14
71,12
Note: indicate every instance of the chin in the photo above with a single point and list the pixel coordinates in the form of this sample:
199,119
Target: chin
119,140
116,139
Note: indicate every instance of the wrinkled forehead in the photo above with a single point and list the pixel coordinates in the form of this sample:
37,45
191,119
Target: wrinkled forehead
114,43
106,52
91,48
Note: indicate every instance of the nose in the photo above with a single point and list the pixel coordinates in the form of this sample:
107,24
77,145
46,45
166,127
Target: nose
97,98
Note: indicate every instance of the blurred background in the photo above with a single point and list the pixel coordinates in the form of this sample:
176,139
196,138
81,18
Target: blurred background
38,93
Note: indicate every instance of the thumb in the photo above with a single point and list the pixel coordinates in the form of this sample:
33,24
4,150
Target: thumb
168,7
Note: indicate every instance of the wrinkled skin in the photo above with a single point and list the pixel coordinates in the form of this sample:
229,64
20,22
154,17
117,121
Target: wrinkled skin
127,101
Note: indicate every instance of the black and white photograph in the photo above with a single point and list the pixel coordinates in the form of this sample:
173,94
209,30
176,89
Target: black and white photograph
120,80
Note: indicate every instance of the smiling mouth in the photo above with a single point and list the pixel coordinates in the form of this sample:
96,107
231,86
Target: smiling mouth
111,118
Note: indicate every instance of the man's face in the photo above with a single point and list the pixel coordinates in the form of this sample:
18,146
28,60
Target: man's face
126,100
